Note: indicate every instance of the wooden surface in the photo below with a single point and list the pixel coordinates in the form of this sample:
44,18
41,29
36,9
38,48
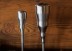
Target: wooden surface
59,31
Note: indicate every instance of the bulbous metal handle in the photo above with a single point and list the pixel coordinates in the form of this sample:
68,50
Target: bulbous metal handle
22,18
42,13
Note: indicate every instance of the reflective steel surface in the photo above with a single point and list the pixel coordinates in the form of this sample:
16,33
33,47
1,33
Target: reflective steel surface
42,12
22,19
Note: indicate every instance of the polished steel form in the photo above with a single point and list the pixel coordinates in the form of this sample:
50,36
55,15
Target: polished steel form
42,13
22,19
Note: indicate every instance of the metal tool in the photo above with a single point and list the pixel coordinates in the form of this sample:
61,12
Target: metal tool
22,19
42,13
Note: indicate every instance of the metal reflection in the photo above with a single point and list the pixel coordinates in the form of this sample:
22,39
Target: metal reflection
42,13
22,20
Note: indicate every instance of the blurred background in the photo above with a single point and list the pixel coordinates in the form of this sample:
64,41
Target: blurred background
59,30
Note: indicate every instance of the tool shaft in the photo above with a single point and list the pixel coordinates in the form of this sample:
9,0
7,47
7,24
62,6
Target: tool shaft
22,40
43,41
43,46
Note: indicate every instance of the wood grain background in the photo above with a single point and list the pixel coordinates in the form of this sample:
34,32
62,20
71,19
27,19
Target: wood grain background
59,31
